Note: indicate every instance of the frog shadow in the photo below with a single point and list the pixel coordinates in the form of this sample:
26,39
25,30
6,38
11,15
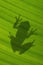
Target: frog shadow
21,35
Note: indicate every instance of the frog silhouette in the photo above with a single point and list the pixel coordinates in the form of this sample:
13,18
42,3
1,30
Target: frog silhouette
21,35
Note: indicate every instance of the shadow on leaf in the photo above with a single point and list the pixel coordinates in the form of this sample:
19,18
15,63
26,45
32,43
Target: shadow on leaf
21,35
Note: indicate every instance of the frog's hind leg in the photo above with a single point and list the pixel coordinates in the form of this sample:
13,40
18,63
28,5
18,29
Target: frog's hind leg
26,47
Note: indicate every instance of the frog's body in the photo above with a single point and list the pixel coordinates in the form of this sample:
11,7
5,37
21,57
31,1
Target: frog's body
21,35
22,32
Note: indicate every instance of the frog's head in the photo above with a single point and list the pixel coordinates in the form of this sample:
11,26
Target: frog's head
25,25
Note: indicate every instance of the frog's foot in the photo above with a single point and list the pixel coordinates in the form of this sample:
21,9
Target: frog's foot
18,18
33,31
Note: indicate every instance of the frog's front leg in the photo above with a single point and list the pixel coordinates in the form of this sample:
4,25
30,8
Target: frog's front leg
11,36
18,19
31,32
